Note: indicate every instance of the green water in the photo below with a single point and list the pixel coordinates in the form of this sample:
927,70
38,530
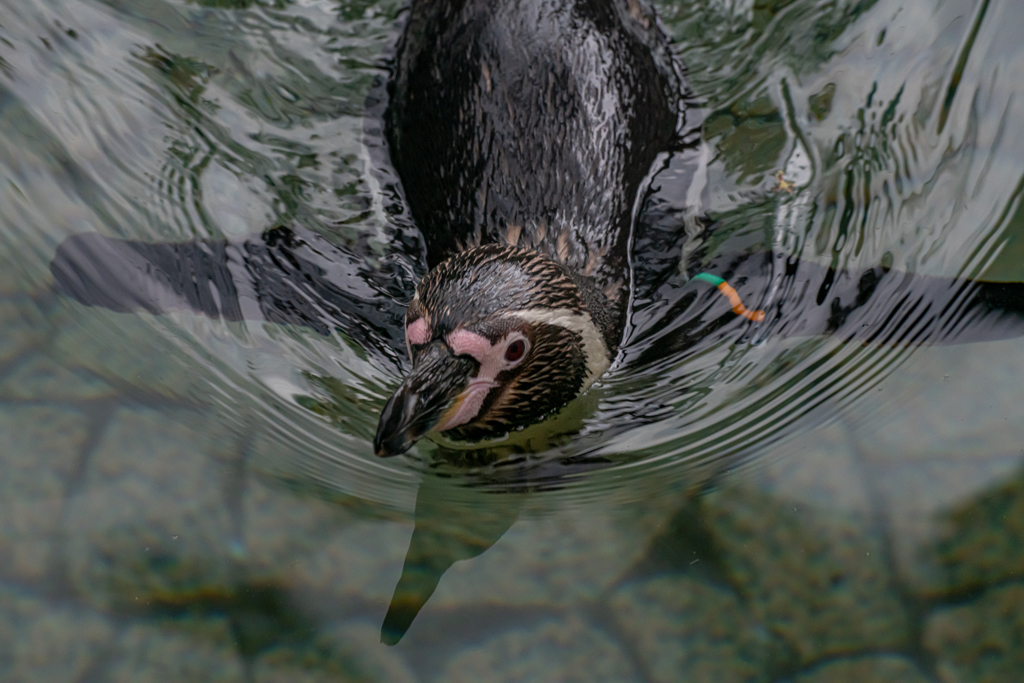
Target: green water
188,499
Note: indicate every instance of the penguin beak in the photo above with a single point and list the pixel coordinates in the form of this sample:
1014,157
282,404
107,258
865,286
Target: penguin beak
437,378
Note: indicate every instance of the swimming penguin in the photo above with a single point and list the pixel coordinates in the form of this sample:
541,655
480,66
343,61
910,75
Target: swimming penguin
522,132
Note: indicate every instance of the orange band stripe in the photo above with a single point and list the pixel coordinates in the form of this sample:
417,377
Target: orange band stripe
737,305
732,295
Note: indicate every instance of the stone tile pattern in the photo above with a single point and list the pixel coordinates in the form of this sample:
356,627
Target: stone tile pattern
138,545
143,526
868,668
560,651
679,624
980,641
819,581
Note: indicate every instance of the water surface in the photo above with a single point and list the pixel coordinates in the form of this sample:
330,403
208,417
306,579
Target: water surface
186,498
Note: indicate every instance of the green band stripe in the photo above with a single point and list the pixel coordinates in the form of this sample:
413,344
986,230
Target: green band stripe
709,278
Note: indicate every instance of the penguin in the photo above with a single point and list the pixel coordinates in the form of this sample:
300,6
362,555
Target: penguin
522,131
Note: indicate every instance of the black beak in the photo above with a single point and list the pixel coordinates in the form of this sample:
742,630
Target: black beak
436,379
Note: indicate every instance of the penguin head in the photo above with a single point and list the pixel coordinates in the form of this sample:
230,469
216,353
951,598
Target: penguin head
500,338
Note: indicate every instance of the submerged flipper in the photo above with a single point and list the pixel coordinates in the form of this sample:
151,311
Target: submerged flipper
738,296
127,276
451,525
281,276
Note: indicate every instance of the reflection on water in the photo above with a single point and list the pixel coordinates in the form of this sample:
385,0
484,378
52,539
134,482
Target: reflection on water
186,497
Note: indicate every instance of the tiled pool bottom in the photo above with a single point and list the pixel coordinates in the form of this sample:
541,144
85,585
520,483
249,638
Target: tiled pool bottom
139,544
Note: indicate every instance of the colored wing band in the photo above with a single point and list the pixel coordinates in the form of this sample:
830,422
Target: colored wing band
734,298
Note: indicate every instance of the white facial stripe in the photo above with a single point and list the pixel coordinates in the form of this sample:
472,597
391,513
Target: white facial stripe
467,405
594,348
492,361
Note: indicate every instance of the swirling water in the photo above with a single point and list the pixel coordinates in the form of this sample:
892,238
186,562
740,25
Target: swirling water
839,135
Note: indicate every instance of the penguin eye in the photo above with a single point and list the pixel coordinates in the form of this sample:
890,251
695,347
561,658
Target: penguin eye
515,350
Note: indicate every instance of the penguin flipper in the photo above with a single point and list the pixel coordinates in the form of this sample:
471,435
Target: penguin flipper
129,276
280,276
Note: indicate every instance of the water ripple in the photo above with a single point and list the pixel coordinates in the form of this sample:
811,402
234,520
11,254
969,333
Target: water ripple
842,136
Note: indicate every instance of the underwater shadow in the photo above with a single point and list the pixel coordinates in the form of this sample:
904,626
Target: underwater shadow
453,523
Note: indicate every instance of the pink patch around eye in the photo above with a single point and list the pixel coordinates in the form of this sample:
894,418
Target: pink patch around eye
466,343
492,361
418,333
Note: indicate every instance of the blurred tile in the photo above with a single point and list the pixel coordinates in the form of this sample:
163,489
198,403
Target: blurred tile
41,451
38,377
347,653
981,641
682,627
865,669
819,468
983,539
817,579
124,349
568,651
173,651
281,527
359,562
43,642
149,521
22,327
958,401
945,521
